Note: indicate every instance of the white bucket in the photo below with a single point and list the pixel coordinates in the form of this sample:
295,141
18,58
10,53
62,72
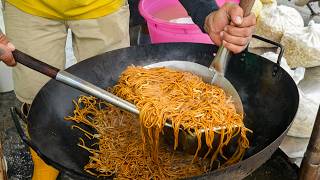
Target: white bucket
6,82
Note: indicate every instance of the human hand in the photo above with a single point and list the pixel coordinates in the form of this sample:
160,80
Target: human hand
6,49
228,27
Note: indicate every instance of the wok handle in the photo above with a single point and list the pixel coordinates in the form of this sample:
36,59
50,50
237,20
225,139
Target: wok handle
273,43
35,64
73,81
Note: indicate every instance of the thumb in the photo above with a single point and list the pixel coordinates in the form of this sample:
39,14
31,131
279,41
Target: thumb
6,55
236,13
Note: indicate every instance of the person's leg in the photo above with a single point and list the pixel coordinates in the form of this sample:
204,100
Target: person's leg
95,36
41,38
45,40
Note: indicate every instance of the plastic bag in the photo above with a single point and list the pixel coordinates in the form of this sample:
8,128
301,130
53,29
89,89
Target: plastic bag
294,148
311,84
303,123
257,7
268,1
273,21
183,20
308,104
295,144
302,46
297,74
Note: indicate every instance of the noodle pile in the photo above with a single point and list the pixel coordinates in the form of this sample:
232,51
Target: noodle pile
120,150
133,149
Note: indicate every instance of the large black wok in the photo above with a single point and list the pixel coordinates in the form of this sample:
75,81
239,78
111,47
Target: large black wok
269,95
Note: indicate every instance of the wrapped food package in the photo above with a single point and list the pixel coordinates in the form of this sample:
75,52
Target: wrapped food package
302,46
257,7
273,21
305,117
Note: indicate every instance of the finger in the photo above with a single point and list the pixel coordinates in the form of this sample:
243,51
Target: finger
232,47
213,27
240,41
248,21
239,32
216,39
6,55
3,39
236,13
11,46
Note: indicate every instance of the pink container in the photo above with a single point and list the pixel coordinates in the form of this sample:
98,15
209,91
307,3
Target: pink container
221,2
157,13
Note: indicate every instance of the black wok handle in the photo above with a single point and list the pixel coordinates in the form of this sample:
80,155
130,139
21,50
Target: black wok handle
273,43
35,64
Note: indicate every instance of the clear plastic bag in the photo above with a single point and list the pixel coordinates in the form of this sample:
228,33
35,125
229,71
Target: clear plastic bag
268,1
303,123
257,7
273,21
302,46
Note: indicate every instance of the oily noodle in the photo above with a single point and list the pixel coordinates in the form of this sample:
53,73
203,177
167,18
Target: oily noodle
119,149
162,95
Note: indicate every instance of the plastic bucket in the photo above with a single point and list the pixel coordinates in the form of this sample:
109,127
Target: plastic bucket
221,2
161,30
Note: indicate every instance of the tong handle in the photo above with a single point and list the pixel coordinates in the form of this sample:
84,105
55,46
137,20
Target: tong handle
73,81
35,64
246,5
223,55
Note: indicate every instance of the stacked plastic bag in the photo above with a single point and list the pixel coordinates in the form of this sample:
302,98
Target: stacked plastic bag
302,46
273,21
257,7
303,123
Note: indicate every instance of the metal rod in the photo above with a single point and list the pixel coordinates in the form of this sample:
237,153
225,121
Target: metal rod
310,166
221,60
89,88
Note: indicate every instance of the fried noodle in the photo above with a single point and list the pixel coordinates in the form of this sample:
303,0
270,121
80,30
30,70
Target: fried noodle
130,148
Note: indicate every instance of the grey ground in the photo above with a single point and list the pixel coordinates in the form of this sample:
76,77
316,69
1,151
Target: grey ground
19,161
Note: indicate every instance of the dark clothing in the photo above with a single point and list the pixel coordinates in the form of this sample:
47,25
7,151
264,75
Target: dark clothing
198,10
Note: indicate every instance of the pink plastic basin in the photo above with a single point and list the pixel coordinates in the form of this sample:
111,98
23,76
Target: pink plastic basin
158,14
221,2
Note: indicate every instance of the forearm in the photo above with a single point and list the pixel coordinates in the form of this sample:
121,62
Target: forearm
198,10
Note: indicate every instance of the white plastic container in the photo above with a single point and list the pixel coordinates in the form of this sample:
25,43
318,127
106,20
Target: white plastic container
6,82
